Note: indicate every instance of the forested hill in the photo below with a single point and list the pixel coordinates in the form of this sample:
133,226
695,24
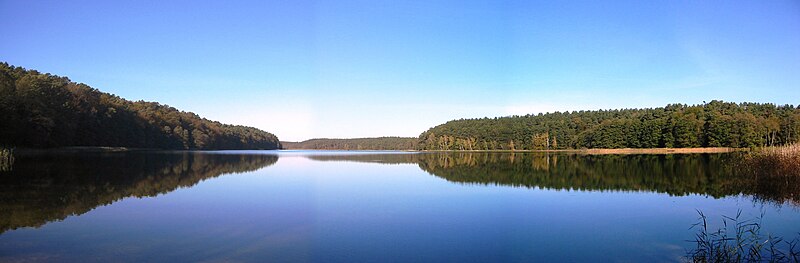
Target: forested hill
43,110
715,124
380,143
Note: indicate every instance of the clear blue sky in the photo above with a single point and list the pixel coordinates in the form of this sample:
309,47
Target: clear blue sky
371,68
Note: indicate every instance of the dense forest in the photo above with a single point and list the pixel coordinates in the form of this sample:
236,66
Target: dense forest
43,110
380,143
714,124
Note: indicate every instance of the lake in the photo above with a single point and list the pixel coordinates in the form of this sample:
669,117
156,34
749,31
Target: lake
371,206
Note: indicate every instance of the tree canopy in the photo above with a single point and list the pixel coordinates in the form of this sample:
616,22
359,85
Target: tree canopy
43,110
714,124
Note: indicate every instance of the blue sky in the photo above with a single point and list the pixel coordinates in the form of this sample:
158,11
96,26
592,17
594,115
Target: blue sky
339,69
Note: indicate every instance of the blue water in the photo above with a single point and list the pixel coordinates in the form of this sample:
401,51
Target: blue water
345,207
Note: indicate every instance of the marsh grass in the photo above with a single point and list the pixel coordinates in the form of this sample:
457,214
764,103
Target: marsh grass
740,240
6,158
772,174
781,161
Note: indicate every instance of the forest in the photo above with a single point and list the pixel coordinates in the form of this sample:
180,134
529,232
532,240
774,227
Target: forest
39,110
43,111
713,124
380,143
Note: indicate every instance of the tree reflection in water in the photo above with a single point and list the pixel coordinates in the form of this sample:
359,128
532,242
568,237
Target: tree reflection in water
44,188
712,175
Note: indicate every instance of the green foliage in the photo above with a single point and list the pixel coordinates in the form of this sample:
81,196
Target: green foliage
380,143
42,110
715,124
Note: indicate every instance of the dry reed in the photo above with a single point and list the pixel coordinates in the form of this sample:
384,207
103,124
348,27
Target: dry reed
6,158
773,174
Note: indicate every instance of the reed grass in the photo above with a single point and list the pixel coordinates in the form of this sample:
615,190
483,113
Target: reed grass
772,174
781,161
6,158
740,240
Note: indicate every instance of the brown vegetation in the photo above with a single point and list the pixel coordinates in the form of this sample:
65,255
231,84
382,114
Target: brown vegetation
774,173
782,161
622,150
662,150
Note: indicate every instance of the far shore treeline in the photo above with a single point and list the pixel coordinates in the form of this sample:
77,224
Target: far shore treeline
43,111
46,111
714,124
380,143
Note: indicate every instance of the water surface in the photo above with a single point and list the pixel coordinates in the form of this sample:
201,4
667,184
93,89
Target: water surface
368,206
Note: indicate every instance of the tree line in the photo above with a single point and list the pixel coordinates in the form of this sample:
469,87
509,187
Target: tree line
380,143
42,110
713,124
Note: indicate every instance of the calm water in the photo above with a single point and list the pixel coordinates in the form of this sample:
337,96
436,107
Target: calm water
368,206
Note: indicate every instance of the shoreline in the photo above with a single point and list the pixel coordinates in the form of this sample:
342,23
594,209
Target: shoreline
616,151
667,150
574,151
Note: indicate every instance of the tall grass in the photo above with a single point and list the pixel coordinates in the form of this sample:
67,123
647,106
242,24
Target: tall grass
781,161
740,240
773,174
6,158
